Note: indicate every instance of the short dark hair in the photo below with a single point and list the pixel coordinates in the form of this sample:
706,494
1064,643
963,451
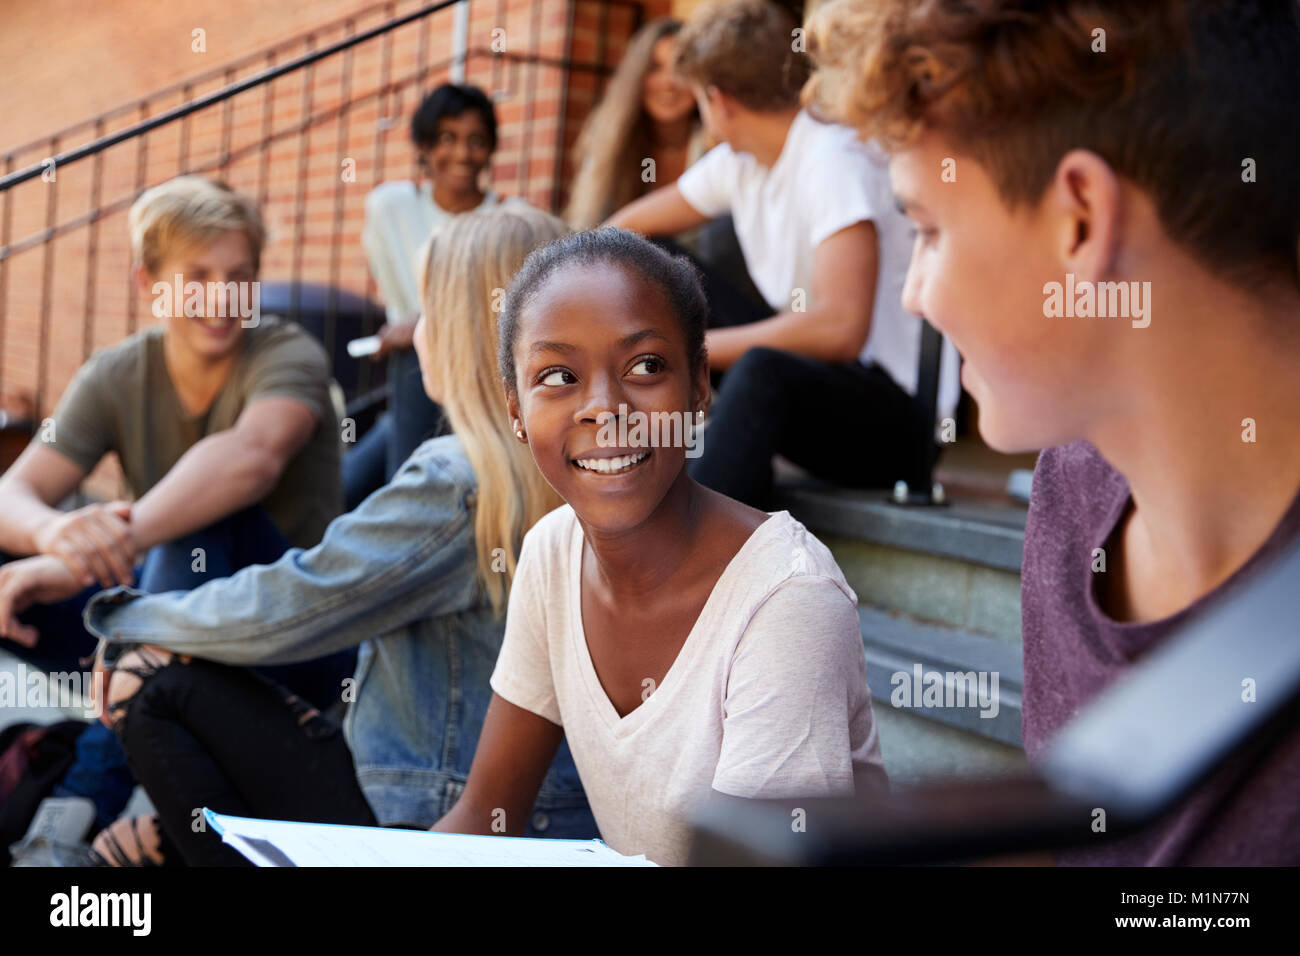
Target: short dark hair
675,277
1187,93
451,99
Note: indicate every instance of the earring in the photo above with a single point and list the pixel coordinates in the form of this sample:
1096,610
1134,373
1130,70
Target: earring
519,430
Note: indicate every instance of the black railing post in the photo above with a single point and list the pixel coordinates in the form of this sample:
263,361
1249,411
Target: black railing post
336,235
927,396
526,140
92,250
227,120
185,132
6,230
141,177
47,280
268,110
557,175
300,208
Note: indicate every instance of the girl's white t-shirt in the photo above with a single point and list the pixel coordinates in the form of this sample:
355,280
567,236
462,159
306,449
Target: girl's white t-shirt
767,698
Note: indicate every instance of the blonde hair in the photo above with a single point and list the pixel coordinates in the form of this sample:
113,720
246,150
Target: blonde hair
466,268
188,211
616,137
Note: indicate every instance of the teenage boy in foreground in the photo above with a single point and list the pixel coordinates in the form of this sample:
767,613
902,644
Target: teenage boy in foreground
225,431
1172,437
828,250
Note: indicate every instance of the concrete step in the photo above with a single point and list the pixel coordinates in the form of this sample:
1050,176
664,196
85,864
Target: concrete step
987,534
946,701
903,653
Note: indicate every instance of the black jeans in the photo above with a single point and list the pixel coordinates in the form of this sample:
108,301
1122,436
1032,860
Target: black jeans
850,424
207,735
101,771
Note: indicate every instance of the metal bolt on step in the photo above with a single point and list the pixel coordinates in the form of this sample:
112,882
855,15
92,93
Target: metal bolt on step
905,496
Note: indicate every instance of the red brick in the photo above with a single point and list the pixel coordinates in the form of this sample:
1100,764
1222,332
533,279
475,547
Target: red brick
48,92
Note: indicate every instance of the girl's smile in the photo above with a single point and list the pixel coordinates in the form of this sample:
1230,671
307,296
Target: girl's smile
611,464
594,342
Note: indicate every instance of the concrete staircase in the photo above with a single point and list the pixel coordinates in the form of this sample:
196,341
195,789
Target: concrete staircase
939,589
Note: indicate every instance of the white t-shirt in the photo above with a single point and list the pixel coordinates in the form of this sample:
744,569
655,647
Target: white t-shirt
767,698
825,180
399,222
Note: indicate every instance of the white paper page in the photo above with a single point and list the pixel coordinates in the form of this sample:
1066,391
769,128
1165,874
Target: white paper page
314,844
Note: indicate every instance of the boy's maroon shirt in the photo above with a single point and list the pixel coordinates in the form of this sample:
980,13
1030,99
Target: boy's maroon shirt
1247,812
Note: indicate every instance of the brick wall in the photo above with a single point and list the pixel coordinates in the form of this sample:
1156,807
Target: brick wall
62,299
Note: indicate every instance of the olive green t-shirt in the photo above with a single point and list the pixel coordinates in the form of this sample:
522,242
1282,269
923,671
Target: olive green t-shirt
122,400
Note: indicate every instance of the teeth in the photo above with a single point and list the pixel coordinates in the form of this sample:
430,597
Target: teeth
609,466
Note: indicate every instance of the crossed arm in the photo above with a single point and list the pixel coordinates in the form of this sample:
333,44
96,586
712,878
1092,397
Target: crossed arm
216,477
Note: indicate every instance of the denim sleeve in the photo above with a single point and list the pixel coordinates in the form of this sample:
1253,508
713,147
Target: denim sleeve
406,553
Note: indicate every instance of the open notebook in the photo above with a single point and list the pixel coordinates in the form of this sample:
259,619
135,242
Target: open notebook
277,843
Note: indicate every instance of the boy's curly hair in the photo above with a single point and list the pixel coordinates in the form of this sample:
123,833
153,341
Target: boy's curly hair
1176,95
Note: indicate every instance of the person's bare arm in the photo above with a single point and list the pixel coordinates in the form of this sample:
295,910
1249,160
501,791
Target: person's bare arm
838,318
40,579
395,338
515,749
94,542
225,472
665,212
29,492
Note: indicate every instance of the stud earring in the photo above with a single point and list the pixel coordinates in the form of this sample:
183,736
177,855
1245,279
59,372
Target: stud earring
519,430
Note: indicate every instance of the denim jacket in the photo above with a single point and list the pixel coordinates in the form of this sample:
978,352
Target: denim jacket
398,575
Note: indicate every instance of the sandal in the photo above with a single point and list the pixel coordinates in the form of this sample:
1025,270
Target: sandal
118,855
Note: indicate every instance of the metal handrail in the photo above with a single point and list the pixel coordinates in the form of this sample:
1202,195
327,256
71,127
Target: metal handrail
48,234
193,106
197,80
235,66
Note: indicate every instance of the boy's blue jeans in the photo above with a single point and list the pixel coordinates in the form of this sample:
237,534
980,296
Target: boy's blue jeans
100,770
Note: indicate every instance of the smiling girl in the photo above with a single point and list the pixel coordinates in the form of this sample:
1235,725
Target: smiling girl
645,113
683,642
